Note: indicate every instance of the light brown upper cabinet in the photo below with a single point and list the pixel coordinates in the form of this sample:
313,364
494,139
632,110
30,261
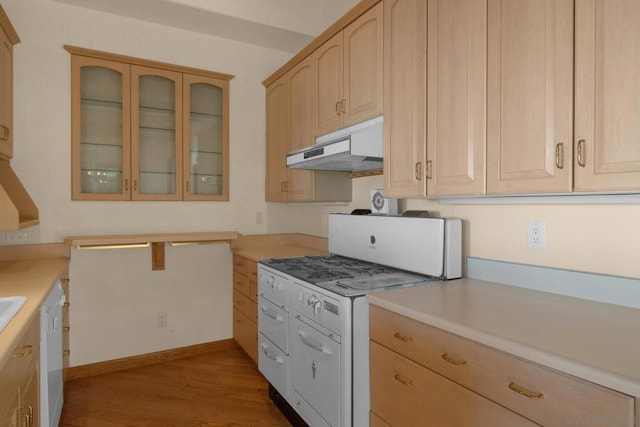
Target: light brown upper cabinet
156,134
289,119
205,156
143,130
607,97
347,74
457,97
301,99
334,82
530,96
8,38
405,98
277,174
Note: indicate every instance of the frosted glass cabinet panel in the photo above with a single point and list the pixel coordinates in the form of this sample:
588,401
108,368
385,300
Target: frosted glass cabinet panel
145,130
156,133
205,138
100,111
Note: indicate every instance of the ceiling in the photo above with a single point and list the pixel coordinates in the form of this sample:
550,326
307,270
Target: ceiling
285,25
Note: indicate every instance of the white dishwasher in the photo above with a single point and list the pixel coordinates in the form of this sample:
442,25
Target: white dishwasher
51,384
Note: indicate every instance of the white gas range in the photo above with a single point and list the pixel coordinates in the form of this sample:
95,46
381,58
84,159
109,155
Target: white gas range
313,316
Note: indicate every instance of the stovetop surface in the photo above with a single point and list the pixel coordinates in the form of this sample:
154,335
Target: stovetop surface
343,275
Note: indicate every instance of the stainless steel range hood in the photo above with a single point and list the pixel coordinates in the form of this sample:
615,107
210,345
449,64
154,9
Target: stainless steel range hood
356,148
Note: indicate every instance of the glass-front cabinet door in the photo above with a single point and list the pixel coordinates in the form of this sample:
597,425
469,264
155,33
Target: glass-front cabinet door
146,130
205,138
156,133
100,129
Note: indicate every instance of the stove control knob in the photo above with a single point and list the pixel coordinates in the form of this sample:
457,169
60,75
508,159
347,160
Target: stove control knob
271,280
300,296
316,307
312,301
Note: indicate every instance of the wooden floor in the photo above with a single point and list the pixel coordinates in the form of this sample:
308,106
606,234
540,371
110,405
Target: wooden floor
223,388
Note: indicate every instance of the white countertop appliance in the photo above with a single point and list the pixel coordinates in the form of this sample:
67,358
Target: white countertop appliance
313,317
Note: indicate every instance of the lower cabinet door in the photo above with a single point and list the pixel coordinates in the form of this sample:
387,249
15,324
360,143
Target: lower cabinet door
245,332
404,393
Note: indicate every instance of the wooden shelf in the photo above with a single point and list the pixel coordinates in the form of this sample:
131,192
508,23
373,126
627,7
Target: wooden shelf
136,239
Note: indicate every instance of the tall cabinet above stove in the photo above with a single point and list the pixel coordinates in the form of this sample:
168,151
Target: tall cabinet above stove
334,82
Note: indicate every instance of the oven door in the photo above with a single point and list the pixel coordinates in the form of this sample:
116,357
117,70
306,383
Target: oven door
316,371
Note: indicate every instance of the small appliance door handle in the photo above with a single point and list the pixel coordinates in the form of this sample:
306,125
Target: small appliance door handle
271,315
314,346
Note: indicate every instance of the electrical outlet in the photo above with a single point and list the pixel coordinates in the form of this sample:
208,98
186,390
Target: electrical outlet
259,217
162,319
536,235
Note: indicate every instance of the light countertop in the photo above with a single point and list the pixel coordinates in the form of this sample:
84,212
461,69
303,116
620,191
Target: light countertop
284,251
32,278
595,341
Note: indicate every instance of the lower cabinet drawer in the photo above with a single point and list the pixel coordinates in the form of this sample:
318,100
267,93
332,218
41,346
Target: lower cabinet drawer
241,283
376,421
245,332
245,305
404,393
541,394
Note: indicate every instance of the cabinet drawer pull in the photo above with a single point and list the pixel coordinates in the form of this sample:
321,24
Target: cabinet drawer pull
25,351
523,391
66,328
27,413
560,155
419,171
5,133
402,380
126,184
337,108
581,155
343,106
65,281
66,352
401,337
453,361
65,305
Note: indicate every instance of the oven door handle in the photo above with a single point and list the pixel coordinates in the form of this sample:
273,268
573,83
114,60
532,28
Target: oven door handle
316,347
271,356
273,316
